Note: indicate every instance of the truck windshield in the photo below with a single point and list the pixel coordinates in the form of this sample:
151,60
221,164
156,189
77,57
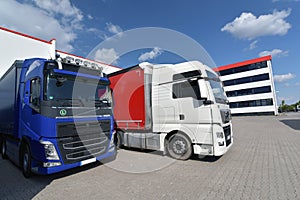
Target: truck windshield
86,91
217,88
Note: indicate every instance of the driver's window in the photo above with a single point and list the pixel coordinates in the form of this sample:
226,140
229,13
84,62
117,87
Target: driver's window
35,90
186,89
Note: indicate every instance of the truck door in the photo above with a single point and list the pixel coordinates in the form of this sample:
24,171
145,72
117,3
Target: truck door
30,120
194,111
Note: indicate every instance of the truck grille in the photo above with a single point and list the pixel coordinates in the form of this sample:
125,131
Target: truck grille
227,132
82,140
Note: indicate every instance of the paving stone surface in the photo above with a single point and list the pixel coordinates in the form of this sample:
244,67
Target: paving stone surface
263,163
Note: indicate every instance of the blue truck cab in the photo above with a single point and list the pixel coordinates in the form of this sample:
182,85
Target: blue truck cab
55,115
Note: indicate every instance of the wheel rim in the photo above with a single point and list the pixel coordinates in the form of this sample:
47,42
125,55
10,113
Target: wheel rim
179,147
3,148
25,162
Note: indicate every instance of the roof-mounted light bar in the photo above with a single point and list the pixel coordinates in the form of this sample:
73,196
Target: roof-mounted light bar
81,63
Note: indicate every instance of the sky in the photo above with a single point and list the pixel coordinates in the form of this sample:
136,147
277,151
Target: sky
225,32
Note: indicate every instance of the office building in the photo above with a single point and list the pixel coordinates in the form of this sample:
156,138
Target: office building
249,86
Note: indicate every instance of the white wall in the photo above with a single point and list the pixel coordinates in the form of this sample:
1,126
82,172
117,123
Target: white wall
17,46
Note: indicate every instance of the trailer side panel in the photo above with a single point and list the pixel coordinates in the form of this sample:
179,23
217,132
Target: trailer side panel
8,94
129,99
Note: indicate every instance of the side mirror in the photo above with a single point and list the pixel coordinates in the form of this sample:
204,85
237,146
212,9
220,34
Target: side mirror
203,89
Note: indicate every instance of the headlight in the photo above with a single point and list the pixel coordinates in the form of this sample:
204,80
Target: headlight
50,151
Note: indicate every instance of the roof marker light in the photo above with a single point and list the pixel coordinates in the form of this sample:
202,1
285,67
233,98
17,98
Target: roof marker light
78,61
86,63
69,59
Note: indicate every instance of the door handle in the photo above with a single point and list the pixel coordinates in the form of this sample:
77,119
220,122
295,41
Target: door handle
181,116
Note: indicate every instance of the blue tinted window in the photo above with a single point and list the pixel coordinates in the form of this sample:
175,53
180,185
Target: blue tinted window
249,79
249,91
252,103
186,89
244,68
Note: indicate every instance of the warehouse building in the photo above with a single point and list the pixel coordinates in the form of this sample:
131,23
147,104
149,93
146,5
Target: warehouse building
19,46
249,86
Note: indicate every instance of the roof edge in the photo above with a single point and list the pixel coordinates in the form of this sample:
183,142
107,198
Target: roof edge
243,63
25,35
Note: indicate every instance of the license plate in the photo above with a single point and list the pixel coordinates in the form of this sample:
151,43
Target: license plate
87,161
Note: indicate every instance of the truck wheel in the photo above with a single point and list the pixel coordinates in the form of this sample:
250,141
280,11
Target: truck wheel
26,161
118,140
4,149
179,147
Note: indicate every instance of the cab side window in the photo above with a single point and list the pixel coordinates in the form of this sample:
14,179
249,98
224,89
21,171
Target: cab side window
186,89
35,91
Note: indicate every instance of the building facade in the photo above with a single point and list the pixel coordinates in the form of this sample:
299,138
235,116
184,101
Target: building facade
19,46
249,86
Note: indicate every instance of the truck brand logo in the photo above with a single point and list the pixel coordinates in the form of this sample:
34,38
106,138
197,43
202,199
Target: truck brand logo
62,112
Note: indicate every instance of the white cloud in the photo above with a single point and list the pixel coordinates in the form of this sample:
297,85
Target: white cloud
248,26
71,16
109,56
114,29
253,45
99,33
44,19
90,17
150,55
283,77
273,53
63,7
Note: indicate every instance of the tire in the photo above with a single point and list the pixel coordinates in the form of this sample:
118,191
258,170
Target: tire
4,149
118,140
179,147
26,161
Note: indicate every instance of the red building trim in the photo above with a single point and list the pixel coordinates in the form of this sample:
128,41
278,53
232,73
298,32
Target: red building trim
240,64
24,35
